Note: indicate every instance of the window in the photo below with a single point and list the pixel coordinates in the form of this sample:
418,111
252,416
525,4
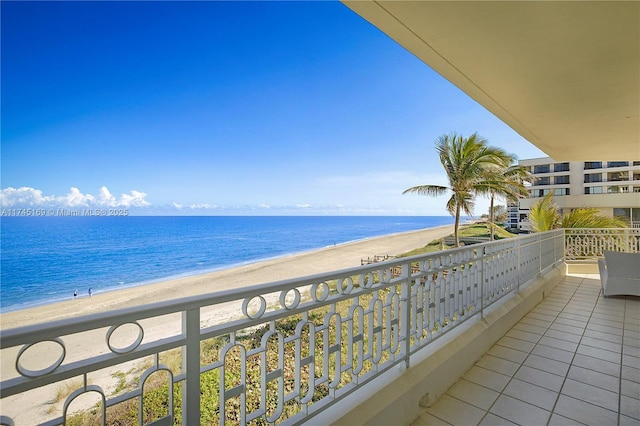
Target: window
617,164
543,181
588,165
541,192
636,163
561,180
561,167
636,189
617,176
593,177
593,190
542,168
636,176
561,191
615,189
622,212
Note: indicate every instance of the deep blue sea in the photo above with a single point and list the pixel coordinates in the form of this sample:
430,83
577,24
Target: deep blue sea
44,259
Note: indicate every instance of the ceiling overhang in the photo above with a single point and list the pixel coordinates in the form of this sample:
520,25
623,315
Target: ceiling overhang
565,75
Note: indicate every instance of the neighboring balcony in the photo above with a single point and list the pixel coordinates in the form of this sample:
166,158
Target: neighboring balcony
378,343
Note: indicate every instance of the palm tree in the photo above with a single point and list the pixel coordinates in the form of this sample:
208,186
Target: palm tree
508,183
467,162
544,216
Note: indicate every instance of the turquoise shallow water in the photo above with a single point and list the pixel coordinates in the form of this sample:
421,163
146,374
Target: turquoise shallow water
44,259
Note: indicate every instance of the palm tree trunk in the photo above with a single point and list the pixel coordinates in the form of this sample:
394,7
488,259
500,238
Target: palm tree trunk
491,220
457,224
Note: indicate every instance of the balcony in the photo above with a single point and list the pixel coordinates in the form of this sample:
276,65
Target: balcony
571,360
377,343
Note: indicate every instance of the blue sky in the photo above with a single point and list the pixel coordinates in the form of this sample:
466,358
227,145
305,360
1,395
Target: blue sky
223,108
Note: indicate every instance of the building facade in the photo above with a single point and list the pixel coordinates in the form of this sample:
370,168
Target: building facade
613,187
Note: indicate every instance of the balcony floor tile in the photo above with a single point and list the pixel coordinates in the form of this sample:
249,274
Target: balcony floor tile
498,365
584,412
516,344
493,420
548,365
474,394
573,360
594,378
630,407
535,395
553,353
518,411
509,354
487,378
456,412
591,394
540,378
630,388
558,420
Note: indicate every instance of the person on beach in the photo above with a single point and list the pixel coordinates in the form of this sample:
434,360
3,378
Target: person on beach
75,294
90,291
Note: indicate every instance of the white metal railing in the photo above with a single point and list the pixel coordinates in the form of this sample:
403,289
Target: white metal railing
591,243
294,348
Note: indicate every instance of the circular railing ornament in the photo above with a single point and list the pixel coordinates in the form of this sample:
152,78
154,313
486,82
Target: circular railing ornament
342,289
129,348
325,292
37,373
367,280
296,298
260,311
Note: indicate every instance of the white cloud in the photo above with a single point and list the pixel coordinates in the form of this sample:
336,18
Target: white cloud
31,197
105,198
23,196
136,199
75,198
201,206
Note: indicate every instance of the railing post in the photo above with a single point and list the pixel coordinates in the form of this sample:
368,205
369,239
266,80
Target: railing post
482,283
191,367
627,237
539,253
406,289
518,272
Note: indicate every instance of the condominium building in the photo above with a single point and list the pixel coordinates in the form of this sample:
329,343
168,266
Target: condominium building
613,187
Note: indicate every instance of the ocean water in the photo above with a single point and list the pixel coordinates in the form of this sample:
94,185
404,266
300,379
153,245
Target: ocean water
44,259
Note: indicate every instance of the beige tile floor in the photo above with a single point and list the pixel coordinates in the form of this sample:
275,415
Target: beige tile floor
573,360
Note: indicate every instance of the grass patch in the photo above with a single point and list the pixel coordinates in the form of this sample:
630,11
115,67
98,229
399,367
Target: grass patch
65,389
476,230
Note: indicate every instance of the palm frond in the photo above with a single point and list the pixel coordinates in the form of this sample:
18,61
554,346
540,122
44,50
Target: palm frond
433,190
591,218
544,215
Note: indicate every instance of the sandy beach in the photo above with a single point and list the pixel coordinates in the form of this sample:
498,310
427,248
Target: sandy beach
297,265
24,410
